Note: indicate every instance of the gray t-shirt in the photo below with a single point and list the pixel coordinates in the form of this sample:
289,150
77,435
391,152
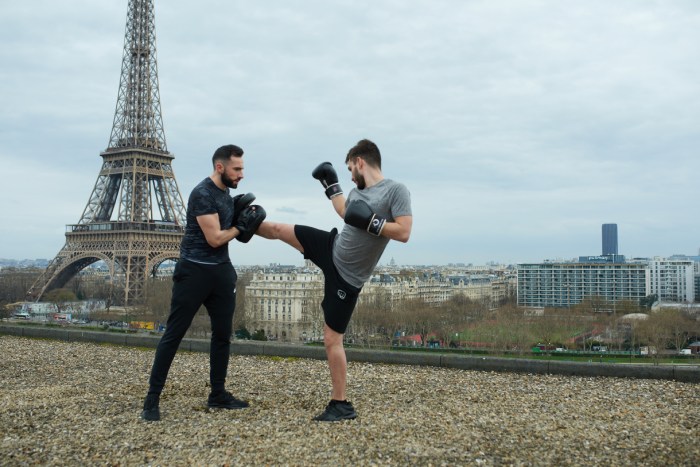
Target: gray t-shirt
356,252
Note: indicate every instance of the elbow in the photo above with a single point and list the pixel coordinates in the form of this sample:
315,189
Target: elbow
214,244
404,236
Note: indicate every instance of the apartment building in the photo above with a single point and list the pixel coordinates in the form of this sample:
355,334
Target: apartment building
286,305
477,288
285,302
672,280
562,285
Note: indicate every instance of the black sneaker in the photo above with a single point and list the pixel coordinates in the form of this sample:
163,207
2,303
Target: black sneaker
151,411
337,411
225,400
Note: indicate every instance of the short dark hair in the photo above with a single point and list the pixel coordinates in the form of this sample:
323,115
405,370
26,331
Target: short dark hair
224,153
368,151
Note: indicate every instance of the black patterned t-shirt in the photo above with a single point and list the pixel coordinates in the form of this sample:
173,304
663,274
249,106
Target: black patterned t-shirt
206,198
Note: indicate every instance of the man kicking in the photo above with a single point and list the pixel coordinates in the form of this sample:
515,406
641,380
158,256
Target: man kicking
376,211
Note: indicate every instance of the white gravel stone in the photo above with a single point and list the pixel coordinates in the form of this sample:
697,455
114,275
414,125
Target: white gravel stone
79,404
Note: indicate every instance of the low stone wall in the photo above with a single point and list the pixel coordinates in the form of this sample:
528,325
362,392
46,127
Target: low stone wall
682,373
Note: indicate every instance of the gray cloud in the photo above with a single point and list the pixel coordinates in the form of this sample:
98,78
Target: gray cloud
518,126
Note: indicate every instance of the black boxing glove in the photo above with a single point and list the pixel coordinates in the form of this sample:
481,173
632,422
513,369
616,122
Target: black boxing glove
360,215
325,173
249,221
240,202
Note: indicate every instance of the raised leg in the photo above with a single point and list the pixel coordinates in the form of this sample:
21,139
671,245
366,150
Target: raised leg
278,231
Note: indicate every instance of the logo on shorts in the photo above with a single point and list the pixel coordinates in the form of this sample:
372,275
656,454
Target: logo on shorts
341,294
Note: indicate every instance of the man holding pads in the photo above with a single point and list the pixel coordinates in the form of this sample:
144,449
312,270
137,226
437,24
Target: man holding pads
205,276
376,211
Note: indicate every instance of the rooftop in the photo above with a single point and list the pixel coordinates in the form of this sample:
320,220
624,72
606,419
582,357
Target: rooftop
79,403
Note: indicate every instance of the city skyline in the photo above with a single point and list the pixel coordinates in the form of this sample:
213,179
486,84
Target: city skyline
390,262
519,127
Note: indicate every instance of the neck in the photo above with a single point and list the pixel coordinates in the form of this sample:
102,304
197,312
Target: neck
216,178
372,177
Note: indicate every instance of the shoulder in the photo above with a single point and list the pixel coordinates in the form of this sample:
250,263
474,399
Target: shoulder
202,187
391,183
399,199
205,197
396,187
207,188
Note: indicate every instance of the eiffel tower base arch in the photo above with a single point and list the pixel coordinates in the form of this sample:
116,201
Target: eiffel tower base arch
131,256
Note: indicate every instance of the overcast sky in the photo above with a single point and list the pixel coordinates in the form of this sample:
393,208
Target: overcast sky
519,126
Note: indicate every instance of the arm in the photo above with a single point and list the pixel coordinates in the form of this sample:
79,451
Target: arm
325,173
399,230
339,204
359,214
209,223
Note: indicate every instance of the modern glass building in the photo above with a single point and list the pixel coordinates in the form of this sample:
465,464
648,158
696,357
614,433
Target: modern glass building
610,239
561,285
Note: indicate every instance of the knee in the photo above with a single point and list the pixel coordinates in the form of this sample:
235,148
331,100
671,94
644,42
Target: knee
277,230
221,335
269,230
331,338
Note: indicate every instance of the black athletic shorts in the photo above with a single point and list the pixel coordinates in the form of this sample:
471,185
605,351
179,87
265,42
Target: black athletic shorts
339,297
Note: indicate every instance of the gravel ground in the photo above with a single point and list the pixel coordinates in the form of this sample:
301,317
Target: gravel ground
78,404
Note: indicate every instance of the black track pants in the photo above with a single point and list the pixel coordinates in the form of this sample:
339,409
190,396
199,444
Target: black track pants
194,285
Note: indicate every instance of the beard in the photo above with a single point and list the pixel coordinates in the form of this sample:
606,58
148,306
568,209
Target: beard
359,180
229,182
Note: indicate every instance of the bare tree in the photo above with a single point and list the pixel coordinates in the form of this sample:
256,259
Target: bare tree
14,284
679,326
667,328
652,333
545,327
375,319
242,316
386,320
452,317
636,331
317,319
625,307
59,297
201,325
158,301
594,304
419,318
515,329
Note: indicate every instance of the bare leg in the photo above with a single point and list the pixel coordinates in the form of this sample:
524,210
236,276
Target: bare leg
278,231
333,341
337,362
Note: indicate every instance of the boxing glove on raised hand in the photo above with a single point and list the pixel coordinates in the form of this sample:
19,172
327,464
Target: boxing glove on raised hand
240,202
325,173
359,214
248,222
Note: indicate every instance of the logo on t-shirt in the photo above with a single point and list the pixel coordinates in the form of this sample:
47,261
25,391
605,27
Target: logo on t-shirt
341,294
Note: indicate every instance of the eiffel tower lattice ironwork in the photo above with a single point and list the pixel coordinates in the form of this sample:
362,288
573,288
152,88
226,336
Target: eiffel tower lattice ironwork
136,176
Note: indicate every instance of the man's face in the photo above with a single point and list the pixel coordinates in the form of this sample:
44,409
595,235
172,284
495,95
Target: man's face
357,177
232,172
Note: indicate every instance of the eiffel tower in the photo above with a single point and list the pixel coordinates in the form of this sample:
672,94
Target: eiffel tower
136,176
